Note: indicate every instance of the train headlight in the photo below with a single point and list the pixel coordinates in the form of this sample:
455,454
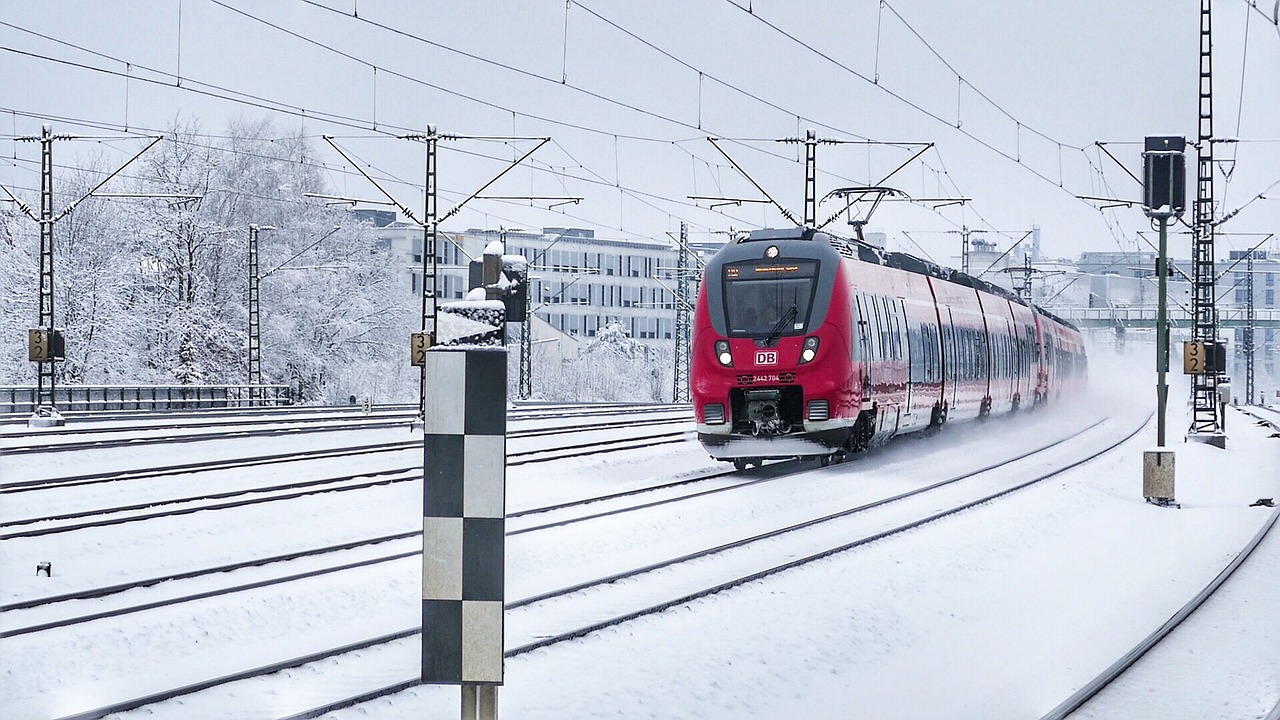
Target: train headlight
722,353
810,350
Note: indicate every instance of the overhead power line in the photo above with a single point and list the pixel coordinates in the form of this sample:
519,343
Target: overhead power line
1060,184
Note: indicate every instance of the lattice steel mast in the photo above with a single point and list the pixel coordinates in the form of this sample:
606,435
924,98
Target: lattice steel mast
45,370
1204,312
1250,319
255,345
684,324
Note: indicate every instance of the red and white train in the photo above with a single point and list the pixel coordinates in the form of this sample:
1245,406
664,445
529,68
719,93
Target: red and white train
811,345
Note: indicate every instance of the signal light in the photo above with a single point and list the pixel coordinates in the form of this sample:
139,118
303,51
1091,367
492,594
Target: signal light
810,350
722,353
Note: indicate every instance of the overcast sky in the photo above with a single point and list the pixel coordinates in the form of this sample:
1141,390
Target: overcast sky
629,91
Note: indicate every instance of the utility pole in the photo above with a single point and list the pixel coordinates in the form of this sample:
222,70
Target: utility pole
255,280
1204,312
45,342
1250,318
964,232
684,324
1027,271
255,351
430,226
526,334
810,179
810,142
430,263
45,376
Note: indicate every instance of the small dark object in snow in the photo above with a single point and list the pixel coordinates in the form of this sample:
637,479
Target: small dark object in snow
1263,502
44,567
1274,435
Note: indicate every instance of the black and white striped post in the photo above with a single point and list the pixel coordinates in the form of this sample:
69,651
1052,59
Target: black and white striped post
463,524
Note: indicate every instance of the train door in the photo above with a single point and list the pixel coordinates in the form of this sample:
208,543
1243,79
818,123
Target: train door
949,359
904,338
1006,360
865,330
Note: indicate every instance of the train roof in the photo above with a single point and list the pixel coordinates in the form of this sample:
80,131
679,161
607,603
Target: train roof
855,249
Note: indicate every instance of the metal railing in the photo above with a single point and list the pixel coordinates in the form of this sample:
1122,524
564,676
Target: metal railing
18,399
1146,316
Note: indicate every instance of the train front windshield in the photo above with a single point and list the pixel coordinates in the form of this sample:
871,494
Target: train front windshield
764,298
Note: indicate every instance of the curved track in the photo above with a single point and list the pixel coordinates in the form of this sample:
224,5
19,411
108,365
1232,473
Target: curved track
1093,687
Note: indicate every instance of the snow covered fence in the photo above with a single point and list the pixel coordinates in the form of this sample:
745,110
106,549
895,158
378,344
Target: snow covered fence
463,508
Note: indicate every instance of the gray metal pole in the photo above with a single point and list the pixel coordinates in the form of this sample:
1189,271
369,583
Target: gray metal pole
1250,318
46,395
683,320
255,346
1162,333
810,179
429,261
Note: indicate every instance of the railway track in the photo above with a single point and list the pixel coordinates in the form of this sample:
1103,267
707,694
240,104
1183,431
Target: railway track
135,442
63,439
1084,697
168,507
1118,668
14,426
528,643
542,455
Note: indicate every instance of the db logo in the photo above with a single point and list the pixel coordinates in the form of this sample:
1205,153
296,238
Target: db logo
766,357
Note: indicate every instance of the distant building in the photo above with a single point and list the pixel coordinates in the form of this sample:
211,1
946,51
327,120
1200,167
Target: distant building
1125,264
377,218
578,282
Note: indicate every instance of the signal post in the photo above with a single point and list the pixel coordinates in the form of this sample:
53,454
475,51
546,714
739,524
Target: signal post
464,485
1163,197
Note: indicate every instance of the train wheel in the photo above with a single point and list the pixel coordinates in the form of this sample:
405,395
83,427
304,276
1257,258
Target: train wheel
824,460
740,464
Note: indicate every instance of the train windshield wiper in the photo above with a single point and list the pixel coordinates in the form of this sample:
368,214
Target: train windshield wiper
786,319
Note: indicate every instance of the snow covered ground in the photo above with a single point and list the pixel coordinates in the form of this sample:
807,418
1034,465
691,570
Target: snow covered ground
999,612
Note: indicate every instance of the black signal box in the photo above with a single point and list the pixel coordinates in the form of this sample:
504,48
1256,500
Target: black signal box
1164,175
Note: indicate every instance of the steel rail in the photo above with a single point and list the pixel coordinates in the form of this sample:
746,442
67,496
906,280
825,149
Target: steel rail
98,592
136,703
86,479
175,512
136,442
208,465
116,612
200,424
721,587
314,487
580,632
1096,685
